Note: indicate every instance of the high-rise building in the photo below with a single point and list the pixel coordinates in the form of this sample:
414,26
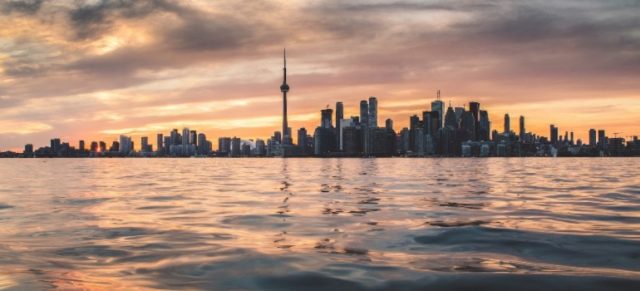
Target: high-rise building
159,143
437,106
602,139
414,123
373,112
236,147
522,129
302,139
202,144
484,128
427,122
81,146
28,151
507,123
284,88
185,141
571,140
175,137
352,139
56,146
324,141
261,148
345,123
166,145
592,138
224,145
364,113
193,137
553,136
468,126
474,107
459,111
450,119
388,124
144,144
115,147
94,147
126,146
326,115
339,114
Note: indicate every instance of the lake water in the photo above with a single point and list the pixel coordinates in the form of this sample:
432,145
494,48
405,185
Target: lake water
320,224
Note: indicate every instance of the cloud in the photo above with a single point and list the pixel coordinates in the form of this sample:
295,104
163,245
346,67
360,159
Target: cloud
26,6
91,19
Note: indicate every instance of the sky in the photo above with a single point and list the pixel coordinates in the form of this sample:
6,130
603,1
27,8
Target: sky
93,70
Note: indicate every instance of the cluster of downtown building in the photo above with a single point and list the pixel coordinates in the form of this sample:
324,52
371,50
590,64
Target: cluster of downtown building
439,132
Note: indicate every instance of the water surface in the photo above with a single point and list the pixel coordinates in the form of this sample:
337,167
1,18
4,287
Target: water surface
320,224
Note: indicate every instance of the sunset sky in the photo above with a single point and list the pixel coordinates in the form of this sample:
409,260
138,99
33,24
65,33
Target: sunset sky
93,70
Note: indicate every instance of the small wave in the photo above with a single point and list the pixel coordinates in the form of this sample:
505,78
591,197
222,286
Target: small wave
566,249
86,252
165,198
456,223
462,205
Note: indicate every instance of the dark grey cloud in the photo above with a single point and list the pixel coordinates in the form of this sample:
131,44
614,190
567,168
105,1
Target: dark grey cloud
211,32
21,6
92,19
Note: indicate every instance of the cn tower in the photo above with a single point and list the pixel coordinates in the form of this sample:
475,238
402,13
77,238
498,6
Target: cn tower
284,88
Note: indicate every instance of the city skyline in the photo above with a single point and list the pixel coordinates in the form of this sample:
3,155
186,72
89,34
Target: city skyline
468,125
95,70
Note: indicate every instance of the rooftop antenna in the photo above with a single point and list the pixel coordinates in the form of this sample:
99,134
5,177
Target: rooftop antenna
438,95
615,134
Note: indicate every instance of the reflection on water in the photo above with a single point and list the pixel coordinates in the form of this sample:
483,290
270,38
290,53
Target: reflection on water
324,224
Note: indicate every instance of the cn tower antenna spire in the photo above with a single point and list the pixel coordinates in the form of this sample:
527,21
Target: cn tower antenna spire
284,88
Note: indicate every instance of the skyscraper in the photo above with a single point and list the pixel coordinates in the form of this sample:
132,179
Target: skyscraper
193,137
602,139
284,88
450,119
522,130
373,112
144,144
388,124
571,140
507,123
364,113
592,137
339,117
326,121
438,107
474,107
484,128
126,146
224,146
302,138
414,122
159,143
202,145
553,135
